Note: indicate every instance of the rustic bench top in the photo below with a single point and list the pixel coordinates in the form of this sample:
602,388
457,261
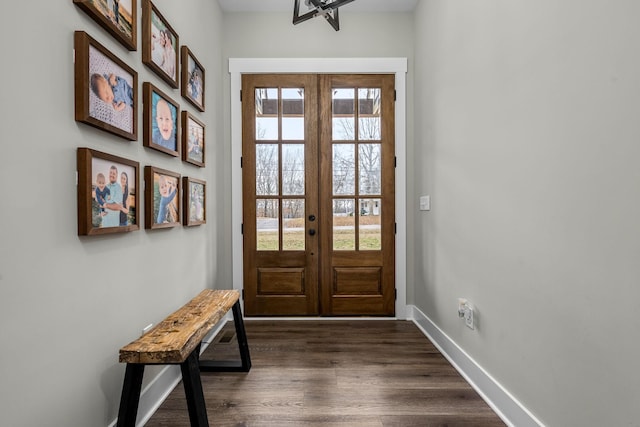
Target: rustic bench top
173,339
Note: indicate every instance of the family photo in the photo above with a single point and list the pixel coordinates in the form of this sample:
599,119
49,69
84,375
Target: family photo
113,194
159,44
192,79
195,201
116,16
107,193
193,139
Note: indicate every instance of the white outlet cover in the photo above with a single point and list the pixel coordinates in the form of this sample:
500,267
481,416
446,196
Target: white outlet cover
425,203
468,317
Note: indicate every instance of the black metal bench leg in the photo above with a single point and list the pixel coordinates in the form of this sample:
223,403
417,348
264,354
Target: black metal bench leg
193,390
241,336
242,365
130,395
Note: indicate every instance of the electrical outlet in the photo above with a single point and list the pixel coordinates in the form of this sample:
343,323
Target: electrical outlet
465,311
468,317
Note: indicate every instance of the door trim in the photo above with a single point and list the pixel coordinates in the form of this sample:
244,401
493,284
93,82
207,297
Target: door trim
396,66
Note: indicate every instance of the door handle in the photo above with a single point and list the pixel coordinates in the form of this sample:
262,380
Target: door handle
312,232
312,218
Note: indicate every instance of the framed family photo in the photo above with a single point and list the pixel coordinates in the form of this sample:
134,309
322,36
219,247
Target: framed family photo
194,201
192,78
159,44
161,198
160,121
192,140
106,89
118,17
107,193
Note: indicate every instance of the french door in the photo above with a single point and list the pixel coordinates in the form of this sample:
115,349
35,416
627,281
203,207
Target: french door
318,195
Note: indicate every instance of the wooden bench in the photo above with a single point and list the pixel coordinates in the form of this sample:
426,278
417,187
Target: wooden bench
176,341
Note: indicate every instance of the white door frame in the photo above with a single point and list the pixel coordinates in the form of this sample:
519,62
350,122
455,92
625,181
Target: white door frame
397,66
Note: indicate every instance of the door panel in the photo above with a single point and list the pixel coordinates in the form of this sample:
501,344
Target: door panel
357,194
318,194
279,193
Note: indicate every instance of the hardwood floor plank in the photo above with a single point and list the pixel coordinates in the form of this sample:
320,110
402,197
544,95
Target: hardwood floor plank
335,374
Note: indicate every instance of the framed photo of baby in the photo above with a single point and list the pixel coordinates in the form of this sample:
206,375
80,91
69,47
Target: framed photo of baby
160,121
194,201
192,140
106,89
192,78
162,196
118,17
159,44
107,193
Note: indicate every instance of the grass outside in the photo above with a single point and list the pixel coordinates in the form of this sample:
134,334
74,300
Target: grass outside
343,239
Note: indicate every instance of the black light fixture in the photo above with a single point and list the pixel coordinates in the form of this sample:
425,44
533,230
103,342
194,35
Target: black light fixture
326,8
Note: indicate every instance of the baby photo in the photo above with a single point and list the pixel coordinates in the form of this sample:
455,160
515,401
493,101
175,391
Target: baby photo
111,95
165,209
163,124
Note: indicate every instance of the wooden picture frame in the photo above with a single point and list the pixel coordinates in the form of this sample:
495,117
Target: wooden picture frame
161,198
195,197
160,121
105,181
193,140
192,73
106,89
159,44
121,21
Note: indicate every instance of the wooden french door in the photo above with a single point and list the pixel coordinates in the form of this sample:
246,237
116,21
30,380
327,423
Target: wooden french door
318,195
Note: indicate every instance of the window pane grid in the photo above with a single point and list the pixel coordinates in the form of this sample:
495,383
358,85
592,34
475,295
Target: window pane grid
357,168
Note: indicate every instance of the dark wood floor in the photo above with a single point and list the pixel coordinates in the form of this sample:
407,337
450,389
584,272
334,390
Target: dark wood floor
378,373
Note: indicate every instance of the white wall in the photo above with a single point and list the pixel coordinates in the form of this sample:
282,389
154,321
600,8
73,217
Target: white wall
68,303
526,121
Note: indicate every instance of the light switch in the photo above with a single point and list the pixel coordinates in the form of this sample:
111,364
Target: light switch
425,203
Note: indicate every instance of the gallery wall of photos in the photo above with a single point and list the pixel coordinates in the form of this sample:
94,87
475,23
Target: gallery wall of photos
107,96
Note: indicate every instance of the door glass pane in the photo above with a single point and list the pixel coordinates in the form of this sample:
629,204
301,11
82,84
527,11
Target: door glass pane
293,114
343,123
266,114
293,225
293,169
344,169
267,226
369,165
344,225
369,114
266,169
370,230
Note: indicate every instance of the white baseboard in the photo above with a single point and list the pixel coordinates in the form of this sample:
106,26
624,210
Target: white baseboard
508,408
163,384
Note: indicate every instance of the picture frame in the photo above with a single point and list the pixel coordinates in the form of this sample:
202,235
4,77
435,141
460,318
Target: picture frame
159,44
105,181
121,21
106,89
160,121
192,73
193,140
195,197
162,198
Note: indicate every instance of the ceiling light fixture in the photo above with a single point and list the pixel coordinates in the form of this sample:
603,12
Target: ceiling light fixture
326,8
